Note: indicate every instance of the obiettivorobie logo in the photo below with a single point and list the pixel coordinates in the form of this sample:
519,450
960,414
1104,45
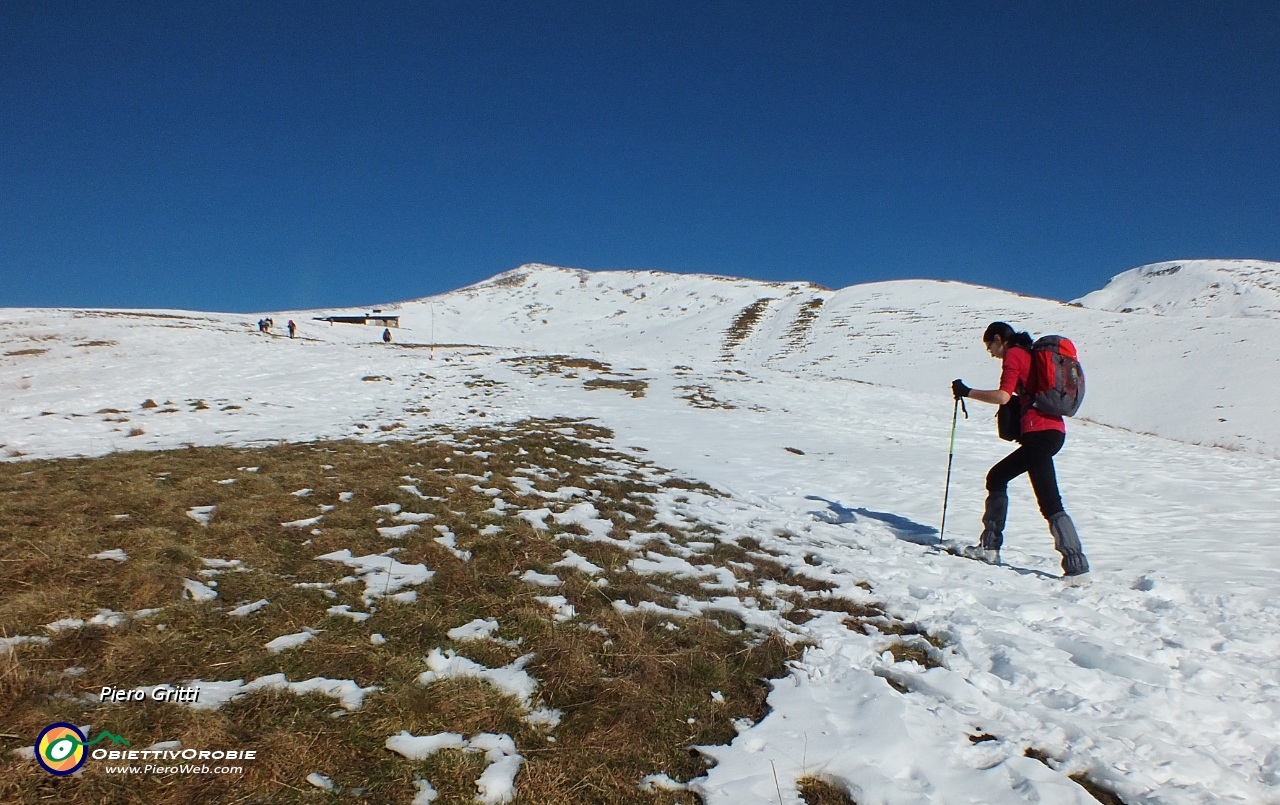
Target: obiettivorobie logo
60,747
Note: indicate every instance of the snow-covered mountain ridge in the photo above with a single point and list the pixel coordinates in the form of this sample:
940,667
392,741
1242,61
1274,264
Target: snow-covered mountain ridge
1190,380
821,418
1202,288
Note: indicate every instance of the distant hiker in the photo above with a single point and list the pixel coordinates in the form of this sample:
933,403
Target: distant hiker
1041,436
386,336
293,328
262,325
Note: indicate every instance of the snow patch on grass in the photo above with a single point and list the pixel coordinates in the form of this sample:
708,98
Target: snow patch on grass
496,784
382,574
288,641
201,514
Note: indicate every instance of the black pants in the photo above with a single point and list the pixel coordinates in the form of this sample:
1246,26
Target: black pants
1034,457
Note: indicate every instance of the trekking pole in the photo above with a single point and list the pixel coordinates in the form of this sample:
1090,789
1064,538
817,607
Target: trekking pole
951,452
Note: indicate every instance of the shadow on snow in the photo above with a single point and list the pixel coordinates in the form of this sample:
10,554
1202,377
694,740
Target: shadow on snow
904,529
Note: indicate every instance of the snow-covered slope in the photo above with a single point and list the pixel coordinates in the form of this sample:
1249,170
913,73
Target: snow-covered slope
1202,288
1185,380
824,418
1193,380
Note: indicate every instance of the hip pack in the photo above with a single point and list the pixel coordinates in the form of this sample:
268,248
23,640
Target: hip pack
1009,420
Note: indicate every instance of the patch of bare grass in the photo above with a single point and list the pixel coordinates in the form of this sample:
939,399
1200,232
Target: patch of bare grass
701,395
634,689
633,386
1100,792
875,621
743,324
817,791
571,368
799,329
916,651
535,365
123,314
511,279
1096,790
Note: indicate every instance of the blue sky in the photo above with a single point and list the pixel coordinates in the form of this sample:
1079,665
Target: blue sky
256,156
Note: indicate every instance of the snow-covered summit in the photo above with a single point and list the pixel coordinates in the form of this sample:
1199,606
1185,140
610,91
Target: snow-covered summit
523,273
1202,288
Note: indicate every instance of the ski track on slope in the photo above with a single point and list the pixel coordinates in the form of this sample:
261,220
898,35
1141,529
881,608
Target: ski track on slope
1161,679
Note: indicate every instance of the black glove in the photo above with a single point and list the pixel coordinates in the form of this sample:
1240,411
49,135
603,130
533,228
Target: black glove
959,389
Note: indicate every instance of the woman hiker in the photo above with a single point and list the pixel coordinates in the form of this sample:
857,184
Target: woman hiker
1041,439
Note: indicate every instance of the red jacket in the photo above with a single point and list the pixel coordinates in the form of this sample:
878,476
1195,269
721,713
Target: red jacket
1015,374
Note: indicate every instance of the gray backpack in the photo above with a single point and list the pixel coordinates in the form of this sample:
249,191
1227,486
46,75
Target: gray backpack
1057,379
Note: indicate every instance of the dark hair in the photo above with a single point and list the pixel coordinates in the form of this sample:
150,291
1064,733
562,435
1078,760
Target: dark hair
1007,334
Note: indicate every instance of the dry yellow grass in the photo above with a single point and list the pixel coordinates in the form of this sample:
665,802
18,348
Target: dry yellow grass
634,692
817,791
743,324
570,367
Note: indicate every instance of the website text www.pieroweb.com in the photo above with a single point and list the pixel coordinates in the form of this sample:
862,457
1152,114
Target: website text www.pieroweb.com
174,761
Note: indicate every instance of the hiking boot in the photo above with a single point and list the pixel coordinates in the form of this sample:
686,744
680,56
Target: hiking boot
981,554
